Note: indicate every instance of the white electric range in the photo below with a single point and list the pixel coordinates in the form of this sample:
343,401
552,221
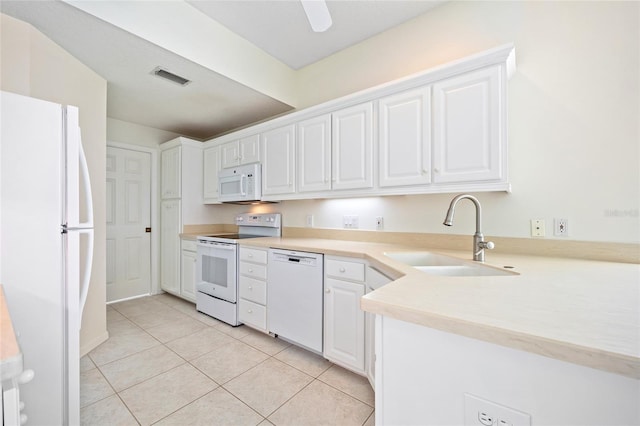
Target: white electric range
217,264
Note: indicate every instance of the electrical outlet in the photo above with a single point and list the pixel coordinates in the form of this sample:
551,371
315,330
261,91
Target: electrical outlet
350,221
309,221
379,223
560,227
537,227
480,412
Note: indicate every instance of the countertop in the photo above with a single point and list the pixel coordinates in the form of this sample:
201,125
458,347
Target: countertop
10,354
581,311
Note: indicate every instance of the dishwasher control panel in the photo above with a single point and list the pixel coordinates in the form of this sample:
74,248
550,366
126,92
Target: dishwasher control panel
300,258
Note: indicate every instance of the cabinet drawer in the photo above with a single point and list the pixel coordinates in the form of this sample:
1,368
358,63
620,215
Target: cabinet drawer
253,270
253,290
253,255
344,270
189,245
252,314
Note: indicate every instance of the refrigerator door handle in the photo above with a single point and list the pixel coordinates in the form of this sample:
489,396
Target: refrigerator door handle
86,278
84,168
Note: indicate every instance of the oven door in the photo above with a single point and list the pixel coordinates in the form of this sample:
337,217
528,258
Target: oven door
216,270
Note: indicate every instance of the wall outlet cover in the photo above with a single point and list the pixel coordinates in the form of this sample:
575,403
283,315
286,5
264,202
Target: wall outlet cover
481,412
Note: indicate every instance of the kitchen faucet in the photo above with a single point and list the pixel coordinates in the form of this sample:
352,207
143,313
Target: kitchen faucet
478,239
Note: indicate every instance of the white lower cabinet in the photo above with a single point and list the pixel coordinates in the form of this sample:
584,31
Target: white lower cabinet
252,283
375,280
170,228
344,338
188,270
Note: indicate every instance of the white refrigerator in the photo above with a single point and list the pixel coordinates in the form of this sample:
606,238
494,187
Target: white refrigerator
46,247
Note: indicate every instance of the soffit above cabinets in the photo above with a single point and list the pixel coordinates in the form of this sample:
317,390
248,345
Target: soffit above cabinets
240,55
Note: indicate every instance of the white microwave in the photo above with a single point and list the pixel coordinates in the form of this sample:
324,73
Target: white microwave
242,184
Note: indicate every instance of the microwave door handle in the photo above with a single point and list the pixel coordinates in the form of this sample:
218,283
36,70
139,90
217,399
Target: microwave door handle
243,191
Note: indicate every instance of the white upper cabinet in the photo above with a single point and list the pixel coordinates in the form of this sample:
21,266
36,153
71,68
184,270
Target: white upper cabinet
404,137
440,131
314,154
243,151
212,165
278,166
170,167
352,147
470,127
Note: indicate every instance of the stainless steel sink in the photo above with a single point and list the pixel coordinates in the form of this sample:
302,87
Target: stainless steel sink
438,264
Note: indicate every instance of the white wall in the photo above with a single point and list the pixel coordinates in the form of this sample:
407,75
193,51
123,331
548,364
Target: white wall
574,136
574,132
32,65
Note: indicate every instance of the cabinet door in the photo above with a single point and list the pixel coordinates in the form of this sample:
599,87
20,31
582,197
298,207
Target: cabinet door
249,149
211,169
405,138
468,127
170,246
352,147
314,154
170,173
188,275
278,167
230,154
344,324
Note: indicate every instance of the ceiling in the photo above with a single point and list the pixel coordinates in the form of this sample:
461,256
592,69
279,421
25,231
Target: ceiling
217,44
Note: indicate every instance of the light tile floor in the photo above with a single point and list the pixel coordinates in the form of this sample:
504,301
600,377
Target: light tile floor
164,363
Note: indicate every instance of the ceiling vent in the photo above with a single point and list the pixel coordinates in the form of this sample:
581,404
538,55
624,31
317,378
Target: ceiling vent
162,73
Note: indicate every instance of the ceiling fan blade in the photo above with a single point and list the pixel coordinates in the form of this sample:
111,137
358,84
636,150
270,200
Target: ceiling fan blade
317,14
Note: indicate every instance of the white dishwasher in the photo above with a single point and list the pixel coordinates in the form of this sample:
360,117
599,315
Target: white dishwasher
294,297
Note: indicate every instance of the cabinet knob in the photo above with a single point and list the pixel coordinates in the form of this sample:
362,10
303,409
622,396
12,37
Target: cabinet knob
436,170
250,288
250,255
328,291
342,269
249,311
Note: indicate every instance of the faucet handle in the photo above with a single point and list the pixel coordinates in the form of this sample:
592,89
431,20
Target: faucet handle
486,245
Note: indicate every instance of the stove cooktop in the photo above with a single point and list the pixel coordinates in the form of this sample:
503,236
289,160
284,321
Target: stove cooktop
233,236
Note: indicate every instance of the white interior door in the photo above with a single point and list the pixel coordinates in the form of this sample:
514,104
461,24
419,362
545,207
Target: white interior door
128,218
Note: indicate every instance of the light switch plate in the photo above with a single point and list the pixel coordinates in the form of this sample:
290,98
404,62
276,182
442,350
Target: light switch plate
537,227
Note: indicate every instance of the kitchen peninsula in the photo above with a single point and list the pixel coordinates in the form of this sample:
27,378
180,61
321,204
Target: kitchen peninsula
567,324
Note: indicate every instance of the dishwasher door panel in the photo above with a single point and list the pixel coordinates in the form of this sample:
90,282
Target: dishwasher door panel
295,298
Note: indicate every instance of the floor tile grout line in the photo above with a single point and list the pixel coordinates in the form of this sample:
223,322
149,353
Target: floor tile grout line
348,394
223,329
313,379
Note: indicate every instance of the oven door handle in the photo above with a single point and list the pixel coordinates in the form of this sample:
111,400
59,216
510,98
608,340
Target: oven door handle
219,246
